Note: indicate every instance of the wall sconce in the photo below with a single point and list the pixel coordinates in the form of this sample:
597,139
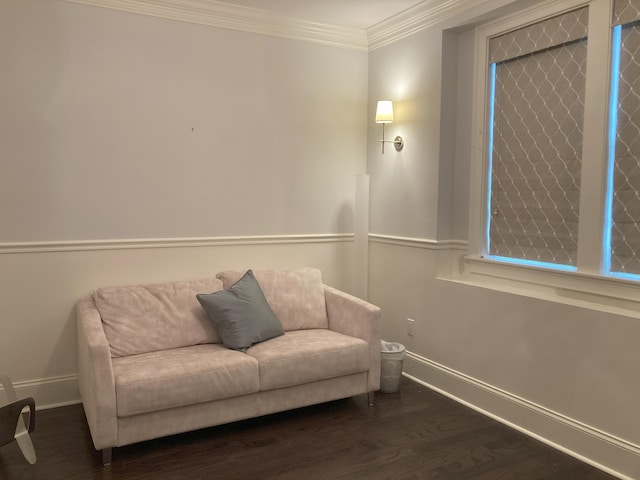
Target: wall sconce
384,114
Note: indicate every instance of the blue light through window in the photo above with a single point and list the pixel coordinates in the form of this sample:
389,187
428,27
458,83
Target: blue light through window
492,99
534,263
612,137
611,152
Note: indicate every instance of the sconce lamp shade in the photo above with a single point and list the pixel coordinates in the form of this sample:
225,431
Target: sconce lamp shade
384,112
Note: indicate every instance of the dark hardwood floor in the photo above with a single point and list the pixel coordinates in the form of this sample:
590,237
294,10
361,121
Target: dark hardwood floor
413,434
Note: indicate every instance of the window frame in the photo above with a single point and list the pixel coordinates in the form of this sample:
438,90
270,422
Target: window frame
590,277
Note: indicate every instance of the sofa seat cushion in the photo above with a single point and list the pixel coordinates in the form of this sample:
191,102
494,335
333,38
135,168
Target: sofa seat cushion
182,376
304,356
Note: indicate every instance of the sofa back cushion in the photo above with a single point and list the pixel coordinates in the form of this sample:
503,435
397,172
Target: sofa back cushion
296,296
148,318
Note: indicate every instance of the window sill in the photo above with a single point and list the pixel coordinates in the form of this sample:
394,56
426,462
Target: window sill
598,292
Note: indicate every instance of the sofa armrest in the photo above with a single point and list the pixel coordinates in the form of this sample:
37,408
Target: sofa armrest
95,375
355,317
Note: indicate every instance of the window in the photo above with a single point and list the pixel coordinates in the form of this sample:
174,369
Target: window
537,78
624,202
558,122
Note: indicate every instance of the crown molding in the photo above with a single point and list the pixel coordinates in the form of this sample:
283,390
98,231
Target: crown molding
219,14
416,18
235,17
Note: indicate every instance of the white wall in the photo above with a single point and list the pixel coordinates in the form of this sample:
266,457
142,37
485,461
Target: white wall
404,185
119,131
565,373
117,125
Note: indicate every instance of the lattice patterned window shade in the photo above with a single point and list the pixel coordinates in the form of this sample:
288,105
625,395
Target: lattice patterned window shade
625,11
538,109
625,205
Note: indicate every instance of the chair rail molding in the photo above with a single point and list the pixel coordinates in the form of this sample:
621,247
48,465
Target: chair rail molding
135,243
424,243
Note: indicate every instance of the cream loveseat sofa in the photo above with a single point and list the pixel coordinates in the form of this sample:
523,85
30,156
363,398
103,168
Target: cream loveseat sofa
151,362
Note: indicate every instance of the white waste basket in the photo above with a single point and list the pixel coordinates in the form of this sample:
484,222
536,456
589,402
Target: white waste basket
391,356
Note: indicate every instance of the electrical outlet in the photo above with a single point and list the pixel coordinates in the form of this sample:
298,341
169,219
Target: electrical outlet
410,327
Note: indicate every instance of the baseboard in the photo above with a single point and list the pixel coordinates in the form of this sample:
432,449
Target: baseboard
602,450
50,392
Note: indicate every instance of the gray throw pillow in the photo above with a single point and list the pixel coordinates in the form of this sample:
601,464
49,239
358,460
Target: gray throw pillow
241,314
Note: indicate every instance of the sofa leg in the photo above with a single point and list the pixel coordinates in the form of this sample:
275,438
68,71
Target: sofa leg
370,398
106,456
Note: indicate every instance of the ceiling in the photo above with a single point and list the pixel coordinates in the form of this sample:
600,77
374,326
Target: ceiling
359,14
